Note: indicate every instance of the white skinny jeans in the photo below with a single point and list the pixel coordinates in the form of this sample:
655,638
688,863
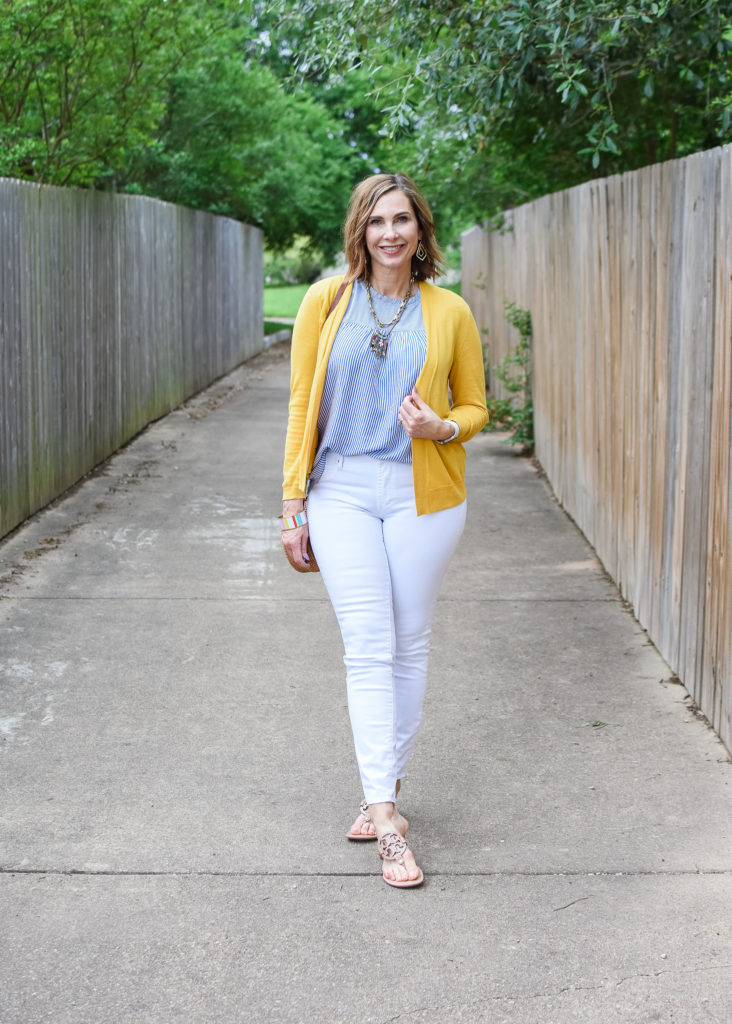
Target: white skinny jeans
382,566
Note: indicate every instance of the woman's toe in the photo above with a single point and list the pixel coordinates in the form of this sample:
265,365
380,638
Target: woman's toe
360,827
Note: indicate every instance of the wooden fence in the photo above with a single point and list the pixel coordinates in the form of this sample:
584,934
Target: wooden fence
113,310
628,283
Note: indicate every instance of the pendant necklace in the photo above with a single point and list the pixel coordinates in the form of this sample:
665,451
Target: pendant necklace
380,338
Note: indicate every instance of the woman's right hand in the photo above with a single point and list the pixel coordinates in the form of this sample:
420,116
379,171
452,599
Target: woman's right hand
296,541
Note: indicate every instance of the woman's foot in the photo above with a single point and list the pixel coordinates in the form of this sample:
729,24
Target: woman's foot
363,826
398,867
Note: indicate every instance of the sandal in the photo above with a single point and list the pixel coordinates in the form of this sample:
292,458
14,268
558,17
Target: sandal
392,847
363,819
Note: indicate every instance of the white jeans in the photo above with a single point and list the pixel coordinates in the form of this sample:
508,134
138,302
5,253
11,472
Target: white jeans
382,566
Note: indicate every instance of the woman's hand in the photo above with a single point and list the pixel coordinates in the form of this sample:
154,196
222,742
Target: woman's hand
419,420
296,541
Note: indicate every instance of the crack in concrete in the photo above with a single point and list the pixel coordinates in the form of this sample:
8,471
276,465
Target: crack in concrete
682,970
153,873
445,1009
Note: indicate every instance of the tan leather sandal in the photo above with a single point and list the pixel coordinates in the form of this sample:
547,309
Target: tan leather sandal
392,847
363,819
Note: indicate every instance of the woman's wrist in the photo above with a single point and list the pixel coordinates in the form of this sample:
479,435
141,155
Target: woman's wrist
449,432
291,506
294,522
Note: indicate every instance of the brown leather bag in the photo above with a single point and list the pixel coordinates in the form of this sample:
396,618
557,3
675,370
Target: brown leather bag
312,565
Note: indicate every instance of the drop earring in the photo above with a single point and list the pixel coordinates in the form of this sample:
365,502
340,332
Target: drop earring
421,252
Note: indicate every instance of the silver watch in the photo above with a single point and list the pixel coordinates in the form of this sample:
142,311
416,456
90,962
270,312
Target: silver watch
453,435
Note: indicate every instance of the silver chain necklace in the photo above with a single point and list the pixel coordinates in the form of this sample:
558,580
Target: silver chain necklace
380,338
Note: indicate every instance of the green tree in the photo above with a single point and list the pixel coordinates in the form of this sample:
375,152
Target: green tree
234,142
168,99
531,95
82,80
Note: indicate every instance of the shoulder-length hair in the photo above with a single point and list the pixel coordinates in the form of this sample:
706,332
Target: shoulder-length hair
364,198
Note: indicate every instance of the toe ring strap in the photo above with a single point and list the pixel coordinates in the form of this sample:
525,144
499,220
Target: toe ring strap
392,846
364,809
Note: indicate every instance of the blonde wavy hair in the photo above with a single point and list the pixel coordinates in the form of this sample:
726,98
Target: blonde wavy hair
364,198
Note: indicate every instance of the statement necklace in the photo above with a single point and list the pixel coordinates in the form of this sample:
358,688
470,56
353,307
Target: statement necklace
380,338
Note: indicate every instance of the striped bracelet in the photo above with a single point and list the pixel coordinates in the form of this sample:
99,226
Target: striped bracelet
292,522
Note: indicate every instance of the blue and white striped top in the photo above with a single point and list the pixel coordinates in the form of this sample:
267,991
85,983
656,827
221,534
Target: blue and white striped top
363,392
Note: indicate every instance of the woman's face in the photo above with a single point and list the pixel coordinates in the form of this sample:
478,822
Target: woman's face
392,232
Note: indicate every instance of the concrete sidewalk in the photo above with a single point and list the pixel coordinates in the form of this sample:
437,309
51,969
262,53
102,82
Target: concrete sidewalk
177,773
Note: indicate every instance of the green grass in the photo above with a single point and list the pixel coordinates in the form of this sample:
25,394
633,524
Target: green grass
274,327
283,300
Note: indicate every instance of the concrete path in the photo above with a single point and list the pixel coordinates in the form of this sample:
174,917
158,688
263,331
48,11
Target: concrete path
177,774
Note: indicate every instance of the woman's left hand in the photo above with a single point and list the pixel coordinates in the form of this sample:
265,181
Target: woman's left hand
419,420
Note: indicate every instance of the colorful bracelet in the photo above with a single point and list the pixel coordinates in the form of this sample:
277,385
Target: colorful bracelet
292,522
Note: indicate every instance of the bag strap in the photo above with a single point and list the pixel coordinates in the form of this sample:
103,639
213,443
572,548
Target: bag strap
337,298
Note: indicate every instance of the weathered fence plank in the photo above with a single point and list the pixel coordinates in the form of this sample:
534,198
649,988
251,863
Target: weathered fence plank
628,283
113,310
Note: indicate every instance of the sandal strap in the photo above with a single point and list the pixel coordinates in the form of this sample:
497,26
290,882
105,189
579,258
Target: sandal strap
392,846
364,809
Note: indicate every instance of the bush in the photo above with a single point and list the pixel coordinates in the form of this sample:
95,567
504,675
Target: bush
298,265
516,411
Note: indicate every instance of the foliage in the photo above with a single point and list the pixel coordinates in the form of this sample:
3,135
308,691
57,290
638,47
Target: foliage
520,98
298,264
488,103
166,99
515,412
355,96
80,81
233,142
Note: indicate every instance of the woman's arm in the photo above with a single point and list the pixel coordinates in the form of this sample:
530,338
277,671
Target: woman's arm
467,378
457,360
304,351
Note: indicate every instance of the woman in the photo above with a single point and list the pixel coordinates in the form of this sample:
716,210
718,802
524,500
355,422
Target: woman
387,383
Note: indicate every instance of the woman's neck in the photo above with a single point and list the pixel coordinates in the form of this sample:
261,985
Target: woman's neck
392,285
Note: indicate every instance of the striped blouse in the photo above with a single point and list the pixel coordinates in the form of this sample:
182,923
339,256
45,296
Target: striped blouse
363,391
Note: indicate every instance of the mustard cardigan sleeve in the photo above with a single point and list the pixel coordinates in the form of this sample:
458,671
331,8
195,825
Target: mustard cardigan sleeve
454,357
467,377
452,382
310,348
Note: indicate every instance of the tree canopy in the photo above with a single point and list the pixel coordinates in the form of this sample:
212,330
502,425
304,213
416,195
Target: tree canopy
170,100
519,97
81,80
270,110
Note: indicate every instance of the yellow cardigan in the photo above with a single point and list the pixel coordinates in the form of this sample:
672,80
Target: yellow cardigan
453,367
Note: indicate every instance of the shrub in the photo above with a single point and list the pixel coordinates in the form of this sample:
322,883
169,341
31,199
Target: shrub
515,412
